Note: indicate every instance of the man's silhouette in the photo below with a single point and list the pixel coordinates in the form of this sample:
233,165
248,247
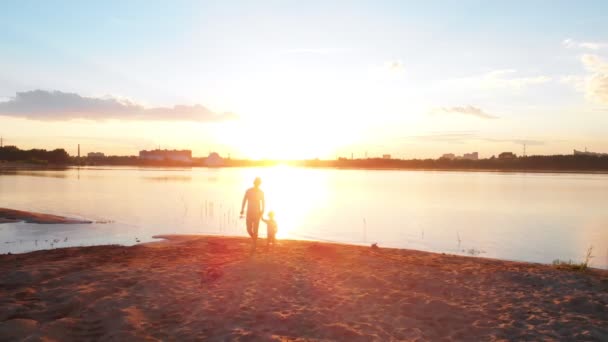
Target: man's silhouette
254,197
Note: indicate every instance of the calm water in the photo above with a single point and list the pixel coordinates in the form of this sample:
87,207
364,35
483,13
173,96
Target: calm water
518,216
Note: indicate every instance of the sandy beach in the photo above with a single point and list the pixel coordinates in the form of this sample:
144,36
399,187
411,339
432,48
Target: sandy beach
210,288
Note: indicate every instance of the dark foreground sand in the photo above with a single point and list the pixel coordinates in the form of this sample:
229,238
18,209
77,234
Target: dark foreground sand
209,288
12,215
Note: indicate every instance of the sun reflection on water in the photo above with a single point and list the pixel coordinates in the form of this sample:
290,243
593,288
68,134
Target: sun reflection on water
295,195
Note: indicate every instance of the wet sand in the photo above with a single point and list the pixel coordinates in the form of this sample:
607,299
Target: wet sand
210,288
11,215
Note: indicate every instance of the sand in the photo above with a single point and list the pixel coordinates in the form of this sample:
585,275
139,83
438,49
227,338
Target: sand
12,215
210,288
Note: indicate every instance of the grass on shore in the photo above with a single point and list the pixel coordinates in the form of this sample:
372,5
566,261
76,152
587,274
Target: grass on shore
574,266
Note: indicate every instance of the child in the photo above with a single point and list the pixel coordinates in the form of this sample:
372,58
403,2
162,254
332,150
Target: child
271,229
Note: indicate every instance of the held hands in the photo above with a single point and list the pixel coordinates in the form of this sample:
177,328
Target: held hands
242,214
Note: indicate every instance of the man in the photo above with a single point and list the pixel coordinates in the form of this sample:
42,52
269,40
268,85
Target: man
254,197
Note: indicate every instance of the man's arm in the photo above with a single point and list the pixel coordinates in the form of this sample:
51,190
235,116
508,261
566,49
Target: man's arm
243,204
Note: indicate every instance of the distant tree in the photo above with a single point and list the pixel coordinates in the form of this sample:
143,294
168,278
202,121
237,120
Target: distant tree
58,156
39,156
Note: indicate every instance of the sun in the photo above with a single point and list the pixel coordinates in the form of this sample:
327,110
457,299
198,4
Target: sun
291,115
280,139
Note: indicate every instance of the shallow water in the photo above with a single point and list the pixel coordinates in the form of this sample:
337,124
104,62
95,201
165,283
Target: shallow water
535,217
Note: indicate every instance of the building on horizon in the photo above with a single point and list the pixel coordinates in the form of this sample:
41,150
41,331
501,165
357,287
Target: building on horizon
166,155
587,153
466,156
214,160
471,156
507,155
386,156
95,155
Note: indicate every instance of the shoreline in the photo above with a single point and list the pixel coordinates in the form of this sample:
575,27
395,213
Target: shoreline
188,287
13,215
166,238
16,216
189,167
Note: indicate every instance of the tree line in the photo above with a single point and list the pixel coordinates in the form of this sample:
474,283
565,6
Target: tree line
530,163
35,156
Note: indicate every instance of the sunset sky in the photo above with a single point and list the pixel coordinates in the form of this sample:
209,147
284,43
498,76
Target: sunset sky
305,79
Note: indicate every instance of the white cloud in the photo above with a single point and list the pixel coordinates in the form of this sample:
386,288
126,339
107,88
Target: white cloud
57,105
592,46
465,110
573,44
596,85
594,63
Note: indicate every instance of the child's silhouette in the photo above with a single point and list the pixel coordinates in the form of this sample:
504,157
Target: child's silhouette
271,229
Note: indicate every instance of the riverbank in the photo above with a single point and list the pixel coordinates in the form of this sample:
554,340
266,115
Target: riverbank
531,164
12,215
199,287
24,165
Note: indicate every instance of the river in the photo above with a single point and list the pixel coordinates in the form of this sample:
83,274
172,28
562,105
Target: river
536,217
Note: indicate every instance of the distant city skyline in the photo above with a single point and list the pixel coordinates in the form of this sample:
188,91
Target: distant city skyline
353,155
295,80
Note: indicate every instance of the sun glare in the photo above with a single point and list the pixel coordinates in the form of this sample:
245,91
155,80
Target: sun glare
293,195
282,140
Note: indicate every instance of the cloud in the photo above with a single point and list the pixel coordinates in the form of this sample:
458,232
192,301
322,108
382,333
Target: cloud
596,85
594,63
573,44
465,110
57,105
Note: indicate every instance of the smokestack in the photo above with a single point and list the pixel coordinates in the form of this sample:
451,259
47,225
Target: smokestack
78,151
